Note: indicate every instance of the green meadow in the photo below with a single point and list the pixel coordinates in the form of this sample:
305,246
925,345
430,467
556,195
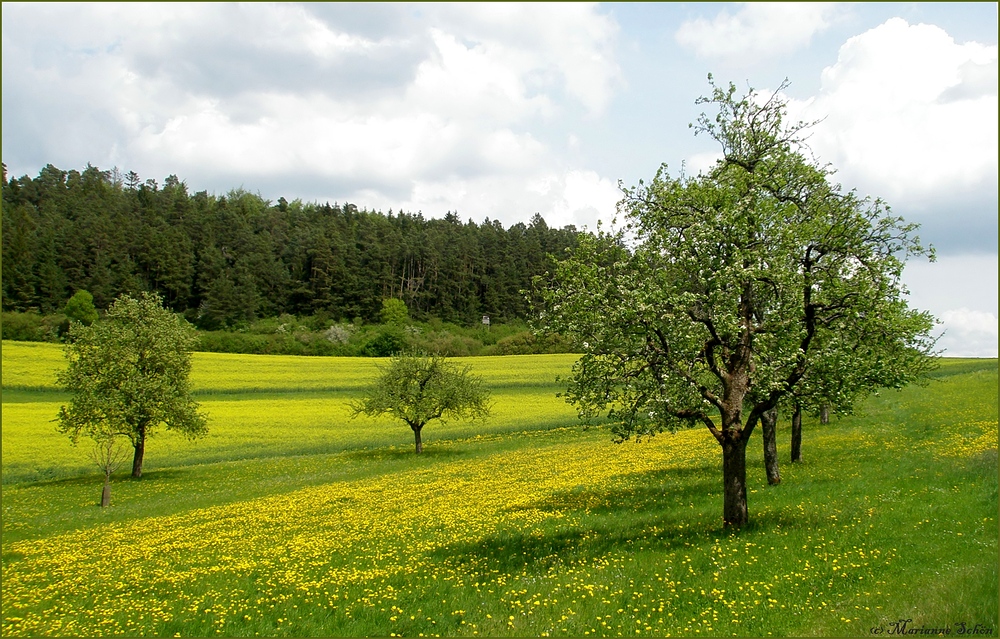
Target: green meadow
291,519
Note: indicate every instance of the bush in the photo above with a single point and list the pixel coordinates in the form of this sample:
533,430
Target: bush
446,344
287,336
34,327
228,342
338,334
527,343
386,343
265,326
23,327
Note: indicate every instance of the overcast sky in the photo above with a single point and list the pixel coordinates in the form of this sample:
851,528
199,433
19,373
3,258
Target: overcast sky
503,110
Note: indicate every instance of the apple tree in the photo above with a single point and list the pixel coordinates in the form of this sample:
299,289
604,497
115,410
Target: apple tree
709,303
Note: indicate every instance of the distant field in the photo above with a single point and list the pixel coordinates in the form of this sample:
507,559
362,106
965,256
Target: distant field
263,406
292,520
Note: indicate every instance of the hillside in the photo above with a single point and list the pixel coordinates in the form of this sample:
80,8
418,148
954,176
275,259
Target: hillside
227,259
292,520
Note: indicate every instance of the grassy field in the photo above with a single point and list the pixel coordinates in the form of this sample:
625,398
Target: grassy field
292,520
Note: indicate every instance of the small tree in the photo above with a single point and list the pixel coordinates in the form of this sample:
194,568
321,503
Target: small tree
859,361
109,453
420,389
128,374
394,312
80,308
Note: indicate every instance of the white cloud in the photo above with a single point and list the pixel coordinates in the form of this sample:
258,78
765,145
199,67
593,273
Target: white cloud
566,43
461,81
571,196
968,333
961,291
581,198
909,115
758,30
269,94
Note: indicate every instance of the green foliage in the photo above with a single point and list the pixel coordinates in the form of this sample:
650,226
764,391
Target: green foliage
528,343
394,312
128,374
729,285
289,335
31,327
80,308
887,351
418,390
227,260
386,342
274,344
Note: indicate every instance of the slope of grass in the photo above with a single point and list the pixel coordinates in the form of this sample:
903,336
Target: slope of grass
261,406
529,527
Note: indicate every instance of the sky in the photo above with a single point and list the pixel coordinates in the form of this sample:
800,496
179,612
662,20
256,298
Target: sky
501,111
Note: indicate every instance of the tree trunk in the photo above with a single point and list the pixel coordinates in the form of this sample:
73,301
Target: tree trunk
106,493
768,424
140,450
824,414
797,434
734,479
416,437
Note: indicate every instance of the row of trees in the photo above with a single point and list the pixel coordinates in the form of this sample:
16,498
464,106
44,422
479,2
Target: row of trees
756,284
224,260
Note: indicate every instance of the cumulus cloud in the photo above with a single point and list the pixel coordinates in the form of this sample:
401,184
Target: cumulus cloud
911,115
569,45
578,197
563,197
387,102
968,333
759,30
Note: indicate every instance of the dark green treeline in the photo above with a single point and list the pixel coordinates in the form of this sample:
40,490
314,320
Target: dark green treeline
223,260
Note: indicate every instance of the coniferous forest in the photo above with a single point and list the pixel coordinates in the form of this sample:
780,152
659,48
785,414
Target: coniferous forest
226,260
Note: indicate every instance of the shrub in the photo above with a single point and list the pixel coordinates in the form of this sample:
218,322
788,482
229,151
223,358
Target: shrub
387,342
446,344
338,333
527,343
23,327
228,342
34,327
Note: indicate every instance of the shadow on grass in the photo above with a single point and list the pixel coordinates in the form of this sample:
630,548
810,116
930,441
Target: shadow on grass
397,453
660,511
95,477
161,474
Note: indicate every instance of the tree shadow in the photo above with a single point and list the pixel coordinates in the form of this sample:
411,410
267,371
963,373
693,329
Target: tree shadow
159,474
656,511
399,453
91,476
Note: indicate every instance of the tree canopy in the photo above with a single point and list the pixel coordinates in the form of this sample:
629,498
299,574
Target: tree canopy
128,374
419,389
722,290
80,308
